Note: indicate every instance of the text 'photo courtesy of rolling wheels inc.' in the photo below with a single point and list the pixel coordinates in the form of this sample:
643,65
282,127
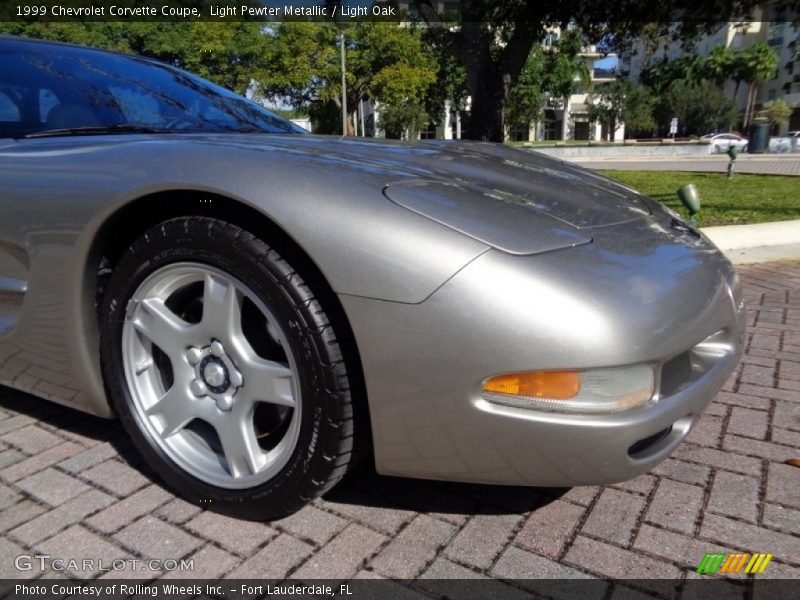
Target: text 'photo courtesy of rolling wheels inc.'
399,299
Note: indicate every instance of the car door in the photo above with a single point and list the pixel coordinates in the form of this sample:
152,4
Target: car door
22,108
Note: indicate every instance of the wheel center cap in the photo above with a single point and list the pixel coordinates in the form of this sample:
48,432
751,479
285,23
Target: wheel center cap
215,375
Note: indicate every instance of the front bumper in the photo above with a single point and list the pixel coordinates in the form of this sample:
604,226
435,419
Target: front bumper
583,308
580,450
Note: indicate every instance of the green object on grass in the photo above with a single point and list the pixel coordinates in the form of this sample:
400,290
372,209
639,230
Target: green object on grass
689,197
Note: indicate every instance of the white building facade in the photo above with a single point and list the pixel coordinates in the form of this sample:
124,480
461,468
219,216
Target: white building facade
783,37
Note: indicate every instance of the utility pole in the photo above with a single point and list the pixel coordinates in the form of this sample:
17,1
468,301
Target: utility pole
344,86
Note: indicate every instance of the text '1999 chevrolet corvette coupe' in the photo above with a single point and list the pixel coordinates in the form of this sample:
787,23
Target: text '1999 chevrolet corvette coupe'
258,305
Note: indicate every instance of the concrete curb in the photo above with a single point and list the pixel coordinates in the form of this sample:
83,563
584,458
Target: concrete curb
734,237
722,157
759,242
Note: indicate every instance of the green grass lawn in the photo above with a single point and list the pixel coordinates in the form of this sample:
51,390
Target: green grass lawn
743,199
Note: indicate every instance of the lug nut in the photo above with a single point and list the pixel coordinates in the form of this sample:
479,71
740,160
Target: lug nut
224,402
198,388
194,355
217,349
236,378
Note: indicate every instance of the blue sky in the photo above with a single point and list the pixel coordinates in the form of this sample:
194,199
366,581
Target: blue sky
606,63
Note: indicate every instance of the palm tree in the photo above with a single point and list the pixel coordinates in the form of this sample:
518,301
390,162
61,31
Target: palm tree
758,64
719,66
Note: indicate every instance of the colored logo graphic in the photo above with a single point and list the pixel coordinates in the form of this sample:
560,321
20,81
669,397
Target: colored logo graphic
720,562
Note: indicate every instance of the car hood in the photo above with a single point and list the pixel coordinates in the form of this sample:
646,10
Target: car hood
517,201
496,174
499,175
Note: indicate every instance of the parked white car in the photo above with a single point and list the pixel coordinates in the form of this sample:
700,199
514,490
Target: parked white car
722,141
787,143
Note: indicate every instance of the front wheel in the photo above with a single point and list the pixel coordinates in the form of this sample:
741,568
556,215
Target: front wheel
225,370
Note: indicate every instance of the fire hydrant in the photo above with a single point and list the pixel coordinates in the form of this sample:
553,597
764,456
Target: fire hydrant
733,152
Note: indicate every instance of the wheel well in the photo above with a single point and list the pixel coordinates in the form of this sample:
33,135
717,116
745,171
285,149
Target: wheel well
120,230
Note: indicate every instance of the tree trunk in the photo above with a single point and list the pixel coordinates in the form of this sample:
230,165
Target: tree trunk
491,77
746,109
750,106
736,90
486,110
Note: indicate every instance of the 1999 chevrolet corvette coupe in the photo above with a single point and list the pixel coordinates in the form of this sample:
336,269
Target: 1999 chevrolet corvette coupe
258,304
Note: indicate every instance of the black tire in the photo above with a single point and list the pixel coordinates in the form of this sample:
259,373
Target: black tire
325,435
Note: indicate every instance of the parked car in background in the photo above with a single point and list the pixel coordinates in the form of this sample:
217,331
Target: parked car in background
259,305
721,142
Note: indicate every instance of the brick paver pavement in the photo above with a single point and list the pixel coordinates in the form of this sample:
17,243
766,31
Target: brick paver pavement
71,487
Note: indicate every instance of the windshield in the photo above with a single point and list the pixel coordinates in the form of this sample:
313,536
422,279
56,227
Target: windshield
50,87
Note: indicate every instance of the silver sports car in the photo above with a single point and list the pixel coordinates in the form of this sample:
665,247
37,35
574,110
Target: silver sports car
259,305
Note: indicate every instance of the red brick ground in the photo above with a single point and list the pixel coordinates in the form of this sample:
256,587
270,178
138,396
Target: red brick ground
71,487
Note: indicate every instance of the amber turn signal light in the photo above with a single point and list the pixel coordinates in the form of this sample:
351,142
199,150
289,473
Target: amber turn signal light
558,385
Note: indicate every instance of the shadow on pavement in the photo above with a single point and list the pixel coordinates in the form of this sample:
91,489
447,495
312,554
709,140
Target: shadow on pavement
364,487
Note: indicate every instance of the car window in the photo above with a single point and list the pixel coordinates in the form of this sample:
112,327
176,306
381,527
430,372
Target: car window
22,108
90,88
137,106
8,110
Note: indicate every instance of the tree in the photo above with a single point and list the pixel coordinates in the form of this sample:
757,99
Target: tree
562,67
660,76
621,101
396,71
526,100
776,112
758,63
719,66
385,62
494,38
450,83
699,107
402,120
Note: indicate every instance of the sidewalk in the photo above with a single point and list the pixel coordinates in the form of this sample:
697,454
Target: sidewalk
759,164
71,487
759,242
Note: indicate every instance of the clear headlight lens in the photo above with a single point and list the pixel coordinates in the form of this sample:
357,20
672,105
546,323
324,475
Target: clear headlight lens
591,391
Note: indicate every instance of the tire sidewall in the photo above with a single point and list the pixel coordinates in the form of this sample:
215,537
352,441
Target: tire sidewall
252,262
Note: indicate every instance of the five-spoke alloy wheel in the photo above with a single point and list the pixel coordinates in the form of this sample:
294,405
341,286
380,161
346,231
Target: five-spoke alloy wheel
225,369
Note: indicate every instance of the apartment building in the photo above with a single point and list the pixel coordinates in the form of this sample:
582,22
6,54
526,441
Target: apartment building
781,35
571,121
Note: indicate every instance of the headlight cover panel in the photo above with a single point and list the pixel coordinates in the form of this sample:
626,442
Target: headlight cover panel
504,221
